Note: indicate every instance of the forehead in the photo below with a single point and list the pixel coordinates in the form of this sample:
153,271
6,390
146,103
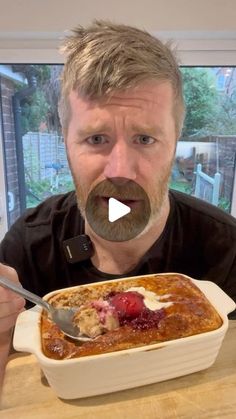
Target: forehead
145,96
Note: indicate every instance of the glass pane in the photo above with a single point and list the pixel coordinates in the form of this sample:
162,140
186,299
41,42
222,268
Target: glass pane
36,164
206,152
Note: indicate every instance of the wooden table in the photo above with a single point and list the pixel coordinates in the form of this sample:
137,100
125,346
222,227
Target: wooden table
207,394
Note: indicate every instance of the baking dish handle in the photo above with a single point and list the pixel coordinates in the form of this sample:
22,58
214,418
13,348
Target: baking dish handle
222,302
26,334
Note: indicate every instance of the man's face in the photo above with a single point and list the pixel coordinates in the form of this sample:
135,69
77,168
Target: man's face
129,136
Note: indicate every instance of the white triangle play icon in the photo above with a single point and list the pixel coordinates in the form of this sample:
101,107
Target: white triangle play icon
116,209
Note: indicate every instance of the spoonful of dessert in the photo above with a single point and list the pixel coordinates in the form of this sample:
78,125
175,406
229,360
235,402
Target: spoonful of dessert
63,317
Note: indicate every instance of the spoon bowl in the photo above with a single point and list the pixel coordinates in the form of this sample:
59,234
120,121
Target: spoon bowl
63,317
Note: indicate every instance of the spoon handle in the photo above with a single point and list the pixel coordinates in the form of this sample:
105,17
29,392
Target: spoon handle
6,283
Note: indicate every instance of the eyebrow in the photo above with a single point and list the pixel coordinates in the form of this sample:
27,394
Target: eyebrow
103,128
89,130
147,129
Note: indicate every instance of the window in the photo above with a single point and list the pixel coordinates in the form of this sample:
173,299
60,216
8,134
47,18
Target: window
34,153
206,153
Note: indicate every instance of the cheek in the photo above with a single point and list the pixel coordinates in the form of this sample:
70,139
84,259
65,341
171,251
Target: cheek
76,162
156,171
86,169
158,162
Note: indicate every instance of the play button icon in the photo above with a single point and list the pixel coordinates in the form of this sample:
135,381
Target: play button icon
116,210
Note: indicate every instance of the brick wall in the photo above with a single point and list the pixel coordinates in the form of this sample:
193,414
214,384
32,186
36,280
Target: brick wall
7,91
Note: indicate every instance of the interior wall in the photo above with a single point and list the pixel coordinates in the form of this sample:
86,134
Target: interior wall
153,15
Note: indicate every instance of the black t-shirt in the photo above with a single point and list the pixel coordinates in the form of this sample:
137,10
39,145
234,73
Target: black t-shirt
198,240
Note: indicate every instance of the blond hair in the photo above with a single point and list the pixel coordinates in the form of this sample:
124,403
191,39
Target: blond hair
105,57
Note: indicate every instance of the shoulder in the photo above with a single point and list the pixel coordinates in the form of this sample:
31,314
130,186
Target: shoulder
190,207
32,245
57,217
56,206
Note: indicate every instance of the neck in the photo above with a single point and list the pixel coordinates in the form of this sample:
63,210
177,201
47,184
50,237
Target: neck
121,257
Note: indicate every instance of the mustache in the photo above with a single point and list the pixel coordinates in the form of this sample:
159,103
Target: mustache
119,189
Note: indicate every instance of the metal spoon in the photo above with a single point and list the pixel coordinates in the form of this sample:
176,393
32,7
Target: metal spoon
61,316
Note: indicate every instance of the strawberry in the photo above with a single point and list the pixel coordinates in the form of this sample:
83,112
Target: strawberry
127,304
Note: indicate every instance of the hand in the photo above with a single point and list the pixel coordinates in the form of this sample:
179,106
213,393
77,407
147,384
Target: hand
11,304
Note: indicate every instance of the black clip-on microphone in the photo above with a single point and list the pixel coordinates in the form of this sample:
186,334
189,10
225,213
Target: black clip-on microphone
78,248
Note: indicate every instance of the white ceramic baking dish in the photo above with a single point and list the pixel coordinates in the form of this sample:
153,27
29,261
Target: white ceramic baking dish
106,373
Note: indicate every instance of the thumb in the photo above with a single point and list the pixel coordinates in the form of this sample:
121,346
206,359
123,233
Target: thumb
9,273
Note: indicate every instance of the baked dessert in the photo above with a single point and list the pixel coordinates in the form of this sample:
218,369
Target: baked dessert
129,313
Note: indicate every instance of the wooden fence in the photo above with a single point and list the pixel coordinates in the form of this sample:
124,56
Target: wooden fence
207,187
44,156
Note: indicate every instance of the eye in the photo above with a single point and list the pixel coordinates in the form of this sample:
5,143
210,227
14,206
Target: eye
96,140
145,140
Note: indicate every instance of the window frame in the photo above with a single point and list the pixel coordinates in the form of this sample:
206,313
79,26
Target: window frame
3,191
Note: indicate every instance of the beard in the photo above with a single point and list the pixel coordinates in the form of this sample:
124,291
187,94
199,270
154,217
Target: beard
148,204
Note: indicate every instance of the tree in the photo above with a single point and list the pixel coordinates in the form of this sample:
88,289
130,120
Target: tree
201,101
34,106
51,90
225,123
34,112
41,106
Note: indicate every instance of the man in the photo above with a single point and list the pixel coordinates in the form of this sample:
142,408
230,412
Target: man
121,111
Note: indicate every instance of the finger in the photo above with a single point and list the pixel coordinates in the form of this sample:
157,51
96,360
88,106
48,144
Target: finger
8,322
11,308
11,274
7,295
8,272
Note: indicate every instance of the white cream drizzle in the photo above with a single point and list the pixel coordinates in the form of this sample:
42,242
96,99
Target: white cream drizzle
151,299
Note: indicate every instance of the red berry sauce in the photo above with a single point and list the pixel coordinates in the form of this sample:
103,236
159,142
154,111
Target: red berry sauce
131,310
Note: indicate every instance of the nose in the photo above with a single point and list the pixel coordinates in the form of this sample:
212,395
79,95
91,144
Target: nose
121,162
